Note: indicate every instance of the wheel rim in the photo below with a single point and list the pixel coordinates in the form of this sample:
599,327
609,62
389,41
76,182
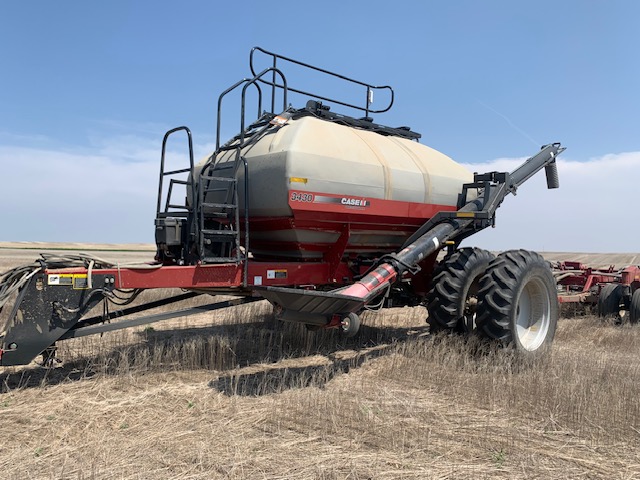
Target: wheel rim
345,324
533,315
471,307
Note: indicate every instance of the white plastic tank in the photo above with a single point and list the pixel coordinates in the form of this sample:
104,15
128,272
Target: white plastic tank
312,178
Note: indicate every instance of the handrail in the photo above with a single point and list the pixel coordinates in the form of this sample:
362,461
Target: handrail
247,82
222,95
369,87
172,172
254,80
245,273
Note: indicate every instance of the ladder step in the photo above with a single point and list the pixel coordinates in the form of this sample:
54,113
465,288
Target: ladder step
218,179
221,179
233,146
174,172
220,260
225,166
207,190
221,233
173,214
219,205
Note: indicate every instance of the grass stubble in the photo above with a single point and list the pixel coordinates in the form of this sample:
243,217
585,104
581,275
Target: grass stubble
234,395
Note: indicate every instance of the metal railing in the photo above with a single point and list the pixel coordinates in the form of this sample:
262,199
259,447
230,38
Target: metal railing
273,84
173,181
247,82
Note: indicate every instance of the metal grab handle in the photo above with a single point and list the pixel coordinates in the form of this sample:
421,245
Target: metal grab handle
163,173
247,82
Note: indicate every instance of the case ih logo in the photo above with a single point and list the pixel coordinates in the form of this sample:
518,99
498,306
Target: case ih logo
354,202
315,198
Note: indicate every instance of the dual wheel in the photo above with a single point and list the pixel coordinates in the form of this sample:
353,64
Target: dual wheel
611,303
510,298
634,310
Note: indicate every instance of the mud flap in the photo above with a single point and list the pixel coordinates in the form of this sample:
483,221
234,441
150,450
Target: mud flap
45,309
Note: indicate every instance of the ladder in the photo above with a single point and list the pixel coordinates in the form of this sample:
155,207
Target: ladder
220,233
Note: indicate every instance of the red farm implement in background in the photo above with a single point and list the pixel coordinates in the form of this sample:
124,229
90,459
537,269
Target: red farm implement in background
612,292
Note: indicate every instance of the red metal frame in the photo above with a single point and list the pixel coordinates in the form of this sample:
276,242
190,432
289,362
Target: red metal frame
224,276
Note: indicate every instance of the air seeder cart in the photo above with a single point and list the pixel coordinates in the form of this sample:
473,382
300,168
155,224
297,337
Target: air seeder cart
321,213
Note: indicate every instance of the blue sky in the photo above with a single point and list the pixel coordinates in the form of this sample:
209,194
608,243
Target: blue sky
88,89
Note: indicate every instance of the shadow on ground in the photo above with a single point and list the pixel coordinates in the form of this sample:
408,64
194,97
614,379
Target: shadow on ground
224,348
275,380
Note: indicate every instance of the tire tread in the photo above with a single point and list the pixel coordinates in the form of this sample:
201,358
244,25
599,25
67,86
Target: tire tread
499,288
452,277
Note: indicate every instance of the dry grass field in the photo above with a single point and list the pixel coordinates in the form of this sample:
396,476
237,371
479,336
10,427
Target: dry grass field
230,395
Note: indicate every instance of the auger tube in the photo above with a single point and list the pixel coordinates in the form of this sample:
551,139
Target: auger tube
435,238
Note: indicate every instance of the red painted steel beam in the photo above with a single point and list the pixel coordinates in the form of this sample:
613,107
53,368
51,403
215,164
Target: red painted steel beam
223,275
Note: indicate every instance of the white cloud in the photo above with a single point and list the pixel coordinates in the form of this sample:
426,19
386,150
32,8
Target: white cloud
109,195
592,211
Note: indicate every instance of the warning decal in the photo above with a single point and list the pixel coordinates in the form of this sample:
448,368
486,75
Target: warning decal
79,281
273,274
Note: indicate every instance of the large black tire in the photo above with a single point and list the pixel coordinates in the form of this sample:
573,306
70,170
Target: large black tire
609,301
456,282
518,302
634,309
